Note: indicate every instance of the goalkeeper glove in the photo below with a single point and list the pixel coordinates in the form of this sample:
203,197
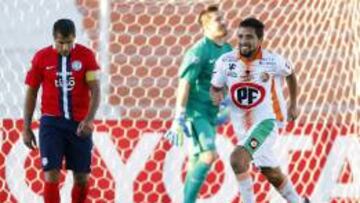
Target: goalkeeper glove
223,115
178,129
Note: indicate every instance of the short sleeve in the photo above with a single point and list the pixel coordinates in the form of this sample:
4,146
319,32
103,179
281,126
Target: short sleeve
218,77
284,68
91,62
191,66
34,76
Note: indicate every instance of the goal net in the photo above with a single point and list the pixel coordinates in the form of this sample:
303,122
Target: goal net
140,45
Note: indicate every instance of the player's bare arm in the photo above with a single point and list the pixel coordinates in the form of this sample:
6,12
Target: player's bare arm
292,85
217,94
86,126
29,106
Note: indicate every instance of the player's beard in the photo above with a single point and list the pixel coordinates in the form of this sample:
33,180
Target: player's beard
246,51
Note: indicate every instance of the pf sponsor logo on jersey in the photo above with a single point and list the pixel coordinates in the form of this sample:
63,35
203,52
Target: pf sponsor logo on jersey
76,65
247,95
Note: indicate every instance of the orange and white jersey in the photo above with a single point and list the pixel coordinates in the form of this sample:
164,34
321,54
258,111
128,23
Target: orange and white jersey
281,117
252,87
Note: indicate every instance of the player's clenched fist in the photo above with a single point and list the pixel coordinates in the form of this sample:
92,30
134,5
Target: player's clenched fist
29,138
292,112
217,95
85,128
223,116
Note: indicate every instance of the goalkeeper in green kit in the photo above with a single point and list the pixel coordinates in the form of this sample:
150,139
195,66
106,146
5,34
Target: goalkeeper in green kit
195,115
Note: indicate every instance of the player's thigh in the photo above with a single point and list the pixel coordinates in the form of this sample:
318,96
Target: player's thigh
260,141
51,143
265,156
203,133
78,153
208,157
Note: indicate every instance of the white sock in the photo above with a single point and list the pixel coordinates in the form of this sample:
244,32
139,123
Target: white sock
288,192
246,191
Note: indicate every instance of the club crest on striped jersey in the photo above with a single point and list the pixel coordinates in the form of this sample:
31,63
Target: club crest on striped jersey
76,65
247,95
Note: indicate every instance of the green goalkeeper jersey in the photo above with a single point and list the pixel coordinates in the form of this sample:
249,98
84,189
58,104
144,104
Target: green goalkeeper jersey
197,68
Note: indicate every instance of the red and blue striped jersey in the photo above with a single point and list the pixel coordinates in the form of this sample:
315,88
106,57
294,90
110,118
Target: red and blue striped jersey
65,91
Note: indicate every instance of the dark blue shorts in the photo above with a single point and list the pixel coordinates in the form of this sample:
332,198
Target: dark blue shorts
58,140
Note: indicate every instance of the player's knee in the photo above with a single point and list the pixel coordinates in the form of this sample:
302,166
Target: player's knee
273,175
192,162
208,157
52,175
240,160
81,178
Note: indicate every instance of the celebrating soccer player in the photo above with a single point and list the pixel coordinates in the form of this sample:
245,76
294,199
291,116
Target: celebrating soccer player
249,74
67,73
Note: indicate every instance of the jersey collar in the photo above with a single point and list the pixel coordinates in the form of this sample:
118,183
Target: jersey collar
258,55
207,39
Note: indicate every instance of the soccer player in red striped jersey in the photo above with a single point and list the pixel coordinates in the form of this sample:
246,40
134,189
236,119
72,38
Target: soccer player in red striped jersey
67,72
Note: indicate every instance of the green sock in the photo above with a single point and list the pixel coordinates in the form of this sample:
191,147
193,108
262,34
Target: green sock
194,180
190,168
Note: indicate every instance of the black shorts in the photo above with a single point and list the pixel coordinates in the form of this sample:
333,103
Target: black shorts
58,140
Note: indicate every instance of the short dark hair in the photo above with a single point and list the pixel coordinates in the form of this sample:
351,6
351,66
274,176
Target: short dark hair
65,27
203,16
254,23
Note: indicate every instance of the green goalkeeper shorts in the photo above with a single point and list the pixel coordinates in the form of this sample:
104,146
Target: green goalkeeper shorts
202,133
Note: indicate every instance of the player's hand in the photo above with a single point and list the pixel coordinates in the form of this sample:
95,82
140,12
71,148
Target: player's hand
292,113
177,131
29,138
216,96
85,128
223,115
